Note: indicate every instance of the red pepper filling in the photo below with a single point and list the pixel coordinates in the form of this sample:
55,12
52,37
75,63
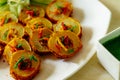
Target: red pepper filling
40,33
58,46
43,42
43,39
13,49
66,41
65,10
65,27
32,12
62,9
26,64
4,21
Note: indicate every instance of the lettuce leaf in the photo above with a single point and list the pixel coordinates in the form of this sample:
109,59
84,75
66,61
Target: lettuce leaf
17,5
4,7
43,2
3,2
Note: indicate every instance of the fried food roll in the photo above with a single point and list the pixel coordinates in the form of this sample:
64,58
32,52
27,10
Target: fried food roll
15,45
69,23
40,39
24,65
30,12
58,9
64,44
37,23
6,17
10,31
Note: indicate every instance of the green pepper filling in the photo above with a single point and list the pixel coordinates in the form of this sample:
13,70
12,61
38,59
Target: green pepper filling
33,58
72,28
70,50
36,26
25,64
19,45
6,20
67,43
19,61
5,35
68,27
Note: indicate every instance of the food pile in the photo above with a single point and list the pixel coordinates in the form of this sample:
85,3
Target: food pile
33,30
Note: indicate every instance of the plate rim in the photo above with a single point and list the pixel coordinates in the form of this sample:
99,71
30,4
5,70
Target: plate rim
94,47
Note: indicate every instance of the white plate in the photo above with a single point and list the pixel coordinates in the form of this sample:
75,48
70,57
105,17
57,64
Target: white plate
94,18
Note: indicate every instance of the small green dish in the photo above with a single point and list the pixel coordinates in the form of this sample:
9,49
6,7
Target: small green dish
108,53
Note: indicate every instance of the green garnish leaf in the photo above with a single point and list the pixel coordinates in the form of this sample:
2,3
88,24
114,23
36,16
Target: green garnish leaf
20,60
36,26
19,45
5,35
72,28
33,58
6,20
70,50
35,12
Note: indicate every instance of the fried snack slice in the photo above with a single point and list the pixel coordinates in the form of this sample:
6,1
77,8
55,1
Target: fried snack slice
6,17
40,39
37,23
10,31
14,45
30,12
69,23
64,44
24,65
58,9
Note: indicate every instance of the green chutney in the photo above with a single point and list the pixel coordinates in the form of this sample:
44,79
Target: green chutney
113,46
